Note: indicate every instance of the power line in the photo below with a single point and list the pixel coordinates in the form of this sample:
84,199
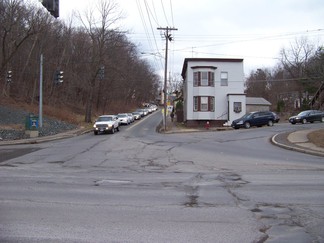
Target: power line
231,41
149,12
164,13
147,32
172,12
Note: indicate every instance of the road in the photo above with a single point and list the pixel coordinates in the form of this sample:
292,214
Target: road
140,186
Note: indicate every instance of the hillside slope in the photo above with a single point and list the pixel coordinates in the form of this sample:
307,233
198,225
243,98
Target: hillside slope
12,124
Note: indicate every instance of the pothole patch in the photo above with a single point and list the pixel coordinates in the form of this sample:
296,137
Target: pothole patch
111,181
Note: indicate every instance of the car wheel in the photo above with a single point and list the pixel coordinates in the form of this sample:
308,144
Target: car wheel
95,132
270,123
112,130
247,125
304,121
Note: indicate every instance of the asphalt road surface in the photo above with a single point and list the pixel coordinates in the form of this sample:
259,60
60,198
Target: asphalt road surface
140,186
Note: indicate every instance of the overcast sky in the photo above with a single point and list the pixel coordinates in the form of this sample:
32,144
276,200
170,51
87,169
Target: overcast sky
254,30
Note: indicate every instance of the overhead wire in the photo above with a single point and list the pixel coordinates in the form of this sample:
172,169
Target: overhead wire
149,12
166,18
237,39
153,31
172,13
146,30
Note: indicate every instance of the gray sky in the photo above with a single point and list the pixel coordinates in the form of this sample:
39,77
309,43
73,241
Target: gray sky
255,30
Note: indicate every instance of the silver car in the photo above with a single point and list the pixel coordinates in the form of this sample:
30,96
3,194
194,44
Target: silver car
123,118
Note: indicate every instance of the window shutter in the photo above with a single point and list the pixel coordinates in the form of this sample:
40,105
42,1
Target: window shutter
196,78
212,79
199,103
199,79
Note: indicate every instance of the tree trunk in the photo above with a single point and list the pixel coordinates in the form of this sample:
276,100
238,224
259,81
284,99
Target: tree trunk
88,111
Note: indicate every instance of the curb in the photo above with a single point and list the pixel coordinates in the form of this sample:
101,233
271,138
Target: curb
295,147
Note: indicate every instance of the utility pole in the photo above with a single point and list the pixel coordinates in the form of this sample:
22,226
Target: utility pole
167,39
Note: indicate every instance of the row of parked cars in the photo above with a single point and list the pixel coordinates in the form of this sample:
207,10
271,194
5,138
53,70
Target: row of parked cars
262,118
111,123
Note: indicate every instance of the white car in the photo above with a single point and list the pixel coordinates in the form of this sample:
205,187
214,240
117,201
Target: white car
124,118
106,123
131,116
137,115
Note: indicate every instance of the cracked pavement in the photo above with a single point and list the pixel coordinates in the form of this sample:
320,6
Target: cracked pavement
140,186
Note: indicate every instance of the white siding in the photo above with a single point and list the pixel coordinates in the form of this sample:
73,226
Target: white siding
235,85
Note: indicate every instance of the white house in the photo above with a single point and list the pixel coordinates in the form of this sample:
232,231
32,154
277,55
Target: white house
213,91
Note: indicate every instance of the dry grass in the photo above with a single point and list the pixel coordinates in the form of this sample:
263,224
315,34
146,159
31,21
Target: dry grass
18,127
317,137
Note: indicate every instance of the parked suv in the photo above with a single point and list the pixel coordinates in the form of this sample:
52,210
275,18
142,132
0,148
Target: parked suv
257,118
106,123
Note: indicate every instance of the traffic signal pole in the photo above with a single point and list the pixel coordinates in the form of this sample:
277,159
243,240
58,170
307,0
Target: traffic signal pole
40,115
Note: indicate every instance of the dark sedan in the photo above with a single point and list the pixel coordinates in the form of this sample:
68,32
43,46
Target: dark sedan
307,116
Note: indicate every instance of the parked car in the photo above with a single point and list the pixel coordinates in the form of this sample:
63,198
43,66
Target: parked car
143,112
276,116
131,117
106,123
137,115
307,116
123,118
257,118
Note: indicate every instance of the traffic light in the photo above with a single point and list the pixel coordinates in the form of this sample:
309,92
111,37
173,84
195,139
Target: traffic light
9,76
58,77
52,6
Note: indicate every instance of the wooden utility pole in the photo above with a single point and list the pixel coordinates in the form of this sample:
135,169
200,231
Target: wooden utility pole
167,39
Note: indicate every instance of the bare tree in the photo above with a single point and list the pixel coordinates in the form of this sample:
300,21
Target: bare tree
19,23
98,31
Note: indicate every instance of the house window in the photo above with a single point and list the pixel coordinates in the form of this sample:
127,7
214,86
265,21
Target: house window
204,78
204,103
224,78
237,107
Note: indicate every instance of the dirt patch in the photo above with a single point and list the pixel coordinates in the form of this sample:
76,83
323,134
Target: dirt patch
317,138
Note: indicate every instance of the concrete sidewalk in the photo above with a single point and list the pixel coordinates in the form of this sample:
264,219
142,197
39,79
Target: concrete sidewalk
298,141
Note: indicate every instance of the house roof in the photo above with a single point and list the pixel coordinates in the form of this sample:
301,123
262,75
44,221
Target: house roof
257,101
185,63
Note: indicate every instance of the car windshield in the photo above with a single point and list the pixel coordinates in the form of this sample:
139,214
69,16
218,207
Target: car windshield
122,115
105,118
